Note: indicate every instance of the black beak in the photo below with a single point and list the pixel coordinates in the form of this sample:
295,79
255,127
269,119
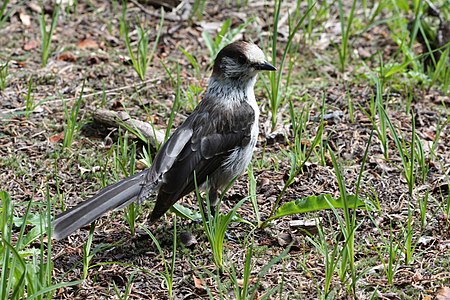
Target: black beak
265,66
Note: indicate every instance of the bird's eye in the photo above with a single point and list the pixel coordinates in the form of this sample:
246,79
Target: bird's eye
242,59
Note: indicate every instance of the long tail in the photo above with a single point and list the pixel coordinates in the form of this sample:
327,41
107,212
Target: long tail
114,196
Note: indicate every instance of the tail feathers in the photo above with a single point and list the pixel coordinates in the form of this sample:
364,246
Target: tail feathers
111,197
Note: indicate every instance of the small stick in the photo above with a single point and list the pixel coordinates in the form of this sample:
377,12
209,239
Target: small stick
116,119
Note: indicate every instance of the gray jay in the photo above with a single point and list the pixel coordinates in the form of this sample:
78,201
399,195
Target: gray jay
214,144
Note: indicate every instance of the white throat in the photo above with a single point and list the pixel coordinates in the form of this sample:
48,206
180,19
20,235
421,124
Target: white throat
232,94
233,90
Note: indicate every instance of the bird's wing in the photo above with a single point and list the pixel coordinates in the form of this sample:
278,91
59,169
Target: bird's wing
199,146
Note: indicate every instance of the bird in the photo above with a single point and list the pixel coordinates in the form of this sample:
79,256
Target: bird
210,148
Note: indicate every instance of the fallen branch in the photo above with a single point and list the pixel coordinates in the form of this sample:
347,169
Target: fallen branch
116,119
179,12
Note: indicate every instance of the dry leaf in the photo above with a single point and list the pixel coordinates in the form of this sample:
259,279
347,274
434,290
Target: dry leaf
430,134
88,43
25,19
57,137
21,64
30,45
140,165
67,56
443,293
417,277
198,284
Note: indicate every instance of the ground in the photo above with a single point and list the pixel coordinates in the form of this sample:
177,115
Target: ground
89,64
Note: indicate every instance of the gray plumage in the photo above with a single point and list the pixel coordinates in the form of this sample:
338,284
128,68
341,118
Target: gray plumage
215,142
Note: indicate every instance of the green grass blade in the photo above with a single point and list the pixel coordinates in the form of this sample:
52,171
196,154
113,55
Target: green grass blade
316,203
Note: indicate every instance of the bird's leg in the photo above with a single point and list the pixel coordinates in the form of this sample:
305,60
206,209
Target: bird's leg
213,201
204,209
209,210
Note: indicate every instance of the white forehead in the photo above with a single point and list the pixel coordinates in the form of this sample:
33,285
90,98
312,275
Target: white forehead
254,53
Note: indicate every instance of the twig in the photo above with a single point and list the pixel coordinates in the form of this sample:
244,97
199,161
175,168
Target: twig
169,16
116,119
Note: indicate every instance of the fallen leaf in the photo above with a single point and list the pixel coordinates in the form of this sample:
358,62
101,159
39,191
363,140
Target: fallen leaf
21,64
88,43
417,277
430,134
67,56
30,45
198,284
25,19
443,293
57,137
140,165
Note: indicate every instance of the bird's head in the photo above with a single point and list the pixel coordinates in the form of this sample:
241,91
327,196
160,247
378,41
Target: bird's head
240,61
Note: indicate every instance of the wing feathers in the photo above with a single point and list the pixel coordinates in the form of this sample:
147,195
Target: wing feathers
201,146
